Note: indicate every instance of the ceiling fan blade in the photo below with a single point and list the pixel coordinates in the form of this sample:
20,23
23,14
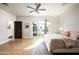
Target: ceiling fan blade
5,4
64,3
38,5
30,7
31,11
42,9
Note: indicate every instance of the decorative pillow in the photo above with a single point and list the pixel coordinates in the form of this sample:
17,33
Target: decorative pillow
69,43
74,35
66,33
77,37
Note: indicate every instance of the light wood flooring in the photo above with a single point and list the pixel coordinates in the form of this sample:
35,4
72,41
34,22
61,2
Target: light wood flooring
17,47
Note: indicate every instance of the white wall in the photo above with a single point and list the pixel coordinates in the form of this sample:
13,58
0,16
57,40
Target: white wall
69,20
11,20
54,24
5,17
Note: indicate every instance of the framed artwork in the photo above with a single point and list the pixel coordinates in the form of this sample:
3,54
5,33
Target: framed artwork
26,25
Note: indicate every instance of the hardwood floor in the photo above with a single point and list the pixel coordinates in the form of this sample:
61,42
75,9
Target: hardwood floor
17,47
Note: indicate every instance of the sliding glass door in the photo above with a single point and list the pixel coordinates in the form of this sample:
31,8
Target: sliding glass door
40,28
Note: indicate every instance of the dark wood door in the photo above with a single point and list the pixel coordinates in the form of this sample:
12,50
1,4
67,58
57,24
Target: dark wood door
18,29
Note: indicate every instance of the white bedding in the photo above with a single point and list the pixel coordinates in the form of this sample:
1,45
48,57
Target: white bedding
49,37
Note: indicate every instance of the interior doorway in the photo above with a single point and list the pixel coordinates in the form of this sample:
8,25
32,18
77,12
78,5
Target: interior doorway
18,29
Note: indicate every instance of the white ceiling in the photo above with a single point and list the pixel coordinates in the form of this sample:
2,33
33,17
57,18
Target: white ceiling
20,9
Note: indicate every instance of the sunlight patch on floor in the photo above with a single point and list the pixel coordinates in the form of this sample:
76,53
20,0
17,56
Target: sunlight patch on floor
38,41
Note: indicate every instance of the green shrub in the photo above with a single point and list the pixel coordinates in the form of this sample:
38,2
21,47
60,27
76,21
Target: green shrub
40,33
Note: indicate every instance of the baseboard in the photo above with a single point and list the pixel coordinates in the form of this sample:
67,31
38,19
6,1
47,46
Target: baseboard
5,41
28,37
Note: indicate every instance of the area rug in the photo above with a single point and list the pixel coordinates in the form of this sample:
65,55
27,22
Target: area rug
40,49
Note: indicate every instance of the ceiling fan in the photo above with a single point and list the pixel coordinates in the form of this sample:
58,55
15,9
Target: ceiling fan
37,9
6,4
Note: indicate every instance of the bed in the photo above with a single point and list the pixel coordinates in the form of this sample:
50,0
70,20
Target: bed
58,41
49,37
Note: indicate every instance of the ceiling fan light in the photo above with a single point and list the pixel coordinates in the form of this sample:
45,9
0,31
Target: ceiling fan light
42,9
